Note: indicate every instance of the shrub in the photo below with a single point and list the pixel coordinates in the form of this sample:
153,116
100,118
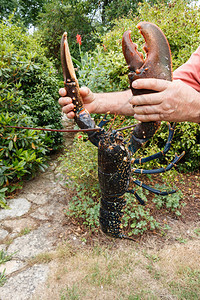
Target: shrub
28,97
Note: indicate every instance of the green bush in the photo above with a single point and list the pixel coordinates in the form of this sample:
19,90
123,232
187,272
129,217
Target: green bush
81,165
28,97
105,69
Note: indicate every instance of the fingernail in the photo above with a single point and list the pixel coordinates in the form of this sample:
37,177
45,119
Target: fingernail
85,89
134,84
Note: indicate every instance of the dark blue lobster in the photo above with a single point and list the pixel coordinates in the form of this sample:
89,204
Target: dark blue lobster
114,154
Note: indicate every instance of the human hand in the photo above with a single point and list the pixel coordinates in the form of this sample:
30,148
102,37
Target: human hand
66,102
174,101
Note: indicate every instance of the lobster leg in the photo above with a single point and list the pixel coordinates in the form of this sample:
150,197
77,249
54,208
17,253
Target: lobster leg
155,191
156,65
161,170
161,153
136,196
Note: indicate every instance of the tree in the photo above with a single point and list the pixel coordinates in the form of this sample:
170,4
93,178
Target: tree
24,11
113,9
70,16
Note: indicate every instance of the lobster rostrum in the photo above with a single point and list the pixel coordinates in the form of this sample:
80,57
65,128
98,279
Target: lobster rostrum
114,154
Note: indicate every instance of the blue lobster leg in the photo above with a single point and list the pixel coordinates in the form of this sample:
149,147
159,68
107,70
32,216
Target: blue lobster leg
104,121
136,196
161,153
157,192
161,170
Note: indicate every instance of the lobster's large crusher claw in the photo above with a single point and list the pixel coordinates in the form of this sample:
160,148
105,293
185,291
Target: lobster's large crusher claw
157,64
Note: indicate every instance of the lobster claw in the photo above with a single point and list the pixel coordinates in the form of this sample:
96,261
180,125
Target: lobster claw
70,80
157,64
158,55
82,116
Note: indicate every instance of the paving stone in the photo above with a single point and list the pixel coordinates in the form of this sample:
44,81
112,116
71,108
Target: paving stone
39,185
16,226
33,243
18,207
11,266
47,198
53,212
2,247
3,234
40,214
38,198
58,194
23,285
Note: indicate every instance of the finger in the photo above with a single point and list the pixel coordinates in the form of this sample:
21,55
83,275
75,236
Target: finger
148,118
62,92
68,108
147,99
64,101
147,109
71,115
151,84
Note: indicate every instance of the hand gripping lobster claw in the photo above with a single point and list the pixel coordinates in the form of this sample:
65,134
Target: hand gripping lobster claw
157,64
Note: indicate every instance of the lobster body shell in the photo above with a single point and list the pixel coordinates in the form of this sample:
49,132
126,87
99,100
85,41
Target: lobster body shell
114,168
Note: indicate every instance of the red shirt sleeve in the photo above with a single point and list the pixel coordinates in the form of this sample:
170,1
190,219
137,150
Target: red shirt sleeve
190,71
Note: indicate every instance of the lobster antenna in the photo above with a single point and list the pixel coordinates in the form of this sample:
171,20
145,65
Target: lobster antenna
121,122
109,129
127,127
55,130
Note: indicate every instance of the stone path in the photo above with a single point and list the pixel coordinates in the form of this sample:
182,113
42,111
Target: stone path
31,226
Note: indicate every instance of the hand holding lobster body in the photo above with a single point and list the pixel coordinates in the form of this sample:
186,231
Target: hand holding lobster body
114,155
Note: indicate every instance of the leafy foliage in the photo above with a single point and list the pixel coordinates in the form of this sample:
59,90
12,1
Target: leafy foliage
72,17
28,98
25,11
81,165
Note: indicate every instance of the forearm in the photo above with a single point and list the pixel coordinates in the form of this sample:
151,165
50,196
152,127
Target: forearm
115,102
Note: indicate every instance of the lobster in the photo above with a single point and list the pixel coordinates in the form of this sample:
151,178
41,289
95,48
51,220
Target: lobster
114,153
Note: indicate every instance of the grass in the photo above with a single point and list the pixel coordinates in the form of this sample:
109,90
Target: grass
125,271
4,257
189,285
2,278
24,231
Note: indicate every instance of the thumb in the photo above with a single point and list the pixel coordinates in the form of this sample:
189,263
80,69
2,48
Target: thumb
86,94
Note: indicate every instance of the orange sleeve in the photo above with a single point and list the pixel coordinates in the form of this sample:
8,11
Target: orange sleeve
190,71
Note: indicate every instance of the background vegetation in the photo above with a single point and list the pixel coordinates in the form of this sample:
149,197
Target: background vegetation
30,78
28,97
